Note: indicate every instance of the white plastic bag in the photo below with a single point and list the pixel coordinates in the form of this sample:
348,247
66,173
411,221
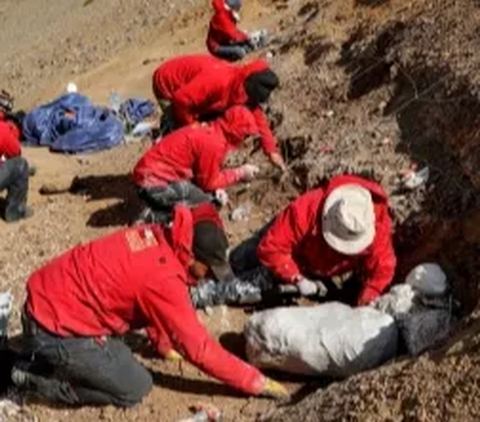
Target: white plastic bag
331,339
428,279
399,300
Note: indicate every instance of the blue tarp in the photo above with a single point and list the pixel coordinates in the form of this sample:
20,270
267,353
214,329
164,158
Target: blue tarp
135,110
72,124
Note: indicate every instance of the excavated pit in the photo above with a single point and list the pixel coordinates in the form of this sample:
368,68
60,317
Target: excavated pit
382,102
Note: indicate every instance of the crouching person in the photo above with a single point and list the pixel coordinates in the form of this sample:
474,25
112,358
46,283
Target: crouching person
201,87
224,39
14,170
325,235
79,303
186,167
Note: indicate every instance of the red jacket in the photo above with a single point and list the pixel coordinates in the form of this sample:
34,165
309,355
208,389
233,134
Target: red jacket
223,28
133,279
295,245
9,138
203,85
197,153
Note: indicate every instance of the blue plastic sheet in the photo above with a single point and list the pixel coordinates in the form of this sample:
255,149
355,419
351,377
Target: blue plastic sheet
72,124
135,110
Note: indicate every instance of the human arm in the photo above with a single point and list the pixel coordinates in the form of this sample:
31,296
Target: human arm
223,23
267,139
166,302
379,265
276,248
208,171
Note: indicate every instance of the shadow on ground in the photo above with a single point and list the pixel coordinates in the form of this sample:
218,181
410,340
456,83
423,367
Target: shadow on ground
106,187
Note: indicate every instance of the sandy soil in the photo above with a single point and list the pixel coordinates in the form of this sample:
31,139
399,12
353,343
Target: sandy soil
371,87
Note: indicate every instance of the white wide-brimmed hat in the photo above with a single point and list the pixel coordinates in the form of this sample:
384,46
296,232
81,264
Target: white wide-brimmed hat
349,219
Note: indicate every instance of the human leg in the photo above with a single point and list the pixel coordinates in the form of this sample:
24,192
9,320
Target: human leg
243,258
231,52
86,371
14,176
183,192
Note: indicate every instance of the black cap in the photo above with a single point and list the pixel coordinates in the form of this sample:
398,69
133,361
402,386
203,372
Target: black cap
259,85
210,246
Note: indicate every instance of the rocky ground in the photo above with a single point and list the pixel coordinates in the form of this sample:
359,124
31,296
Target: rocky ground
371,87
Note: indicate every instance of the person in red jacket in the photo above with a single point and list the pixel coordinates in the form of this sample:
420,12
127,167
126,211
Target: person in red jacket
80,302
187,165
199,87
224,39
329,232
14,169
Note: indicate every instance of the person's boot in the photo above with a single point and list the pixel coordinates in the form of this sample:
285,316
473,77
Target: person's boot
17,215
150,216
8,359
22,378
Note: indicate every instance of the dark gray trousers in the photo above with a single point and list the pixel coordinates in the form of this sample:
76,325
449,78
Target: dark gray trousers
14,175
165,198
84,371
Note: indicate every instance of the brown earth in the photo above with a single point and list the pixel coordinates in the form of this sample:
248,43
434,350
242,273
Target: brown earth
371,87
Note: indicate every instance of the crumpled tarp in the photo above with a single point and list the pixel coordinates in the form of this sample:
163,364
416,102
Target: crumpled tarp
134,110
72,124
330,340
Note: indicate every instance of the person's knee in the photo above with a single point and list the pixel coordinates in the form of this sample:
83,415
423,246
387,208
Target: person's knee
20,165
137,390
231,53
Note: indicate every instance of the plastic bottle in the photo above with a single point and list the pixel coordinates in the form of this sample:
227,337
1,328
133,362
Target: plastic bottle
115,101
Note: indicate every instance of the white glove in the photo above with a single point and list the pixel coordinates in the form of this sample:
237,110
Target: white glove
249,172
222,197
306,287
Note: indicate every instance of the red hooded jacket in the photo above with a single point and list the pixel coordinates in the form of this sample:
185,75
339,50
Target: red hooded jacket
197,153
223,28
9,138
295,245
133,278
204,85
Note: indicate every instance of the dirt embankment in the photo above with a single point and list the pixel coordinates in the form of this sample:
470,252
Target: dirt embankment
392,93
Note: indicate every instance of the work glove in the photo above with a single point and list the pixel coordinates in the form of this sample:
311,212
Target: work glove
221,197
277,160
173,356
308,287
249,172
274,390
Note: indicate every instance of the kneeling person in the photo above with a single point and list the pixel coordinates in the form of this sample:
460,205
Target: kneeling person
80,302
225,40
14,170
340,228
186,167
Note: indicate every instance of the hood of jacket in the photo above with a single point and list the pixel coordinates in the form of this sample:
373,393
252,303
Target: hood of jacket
237,124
